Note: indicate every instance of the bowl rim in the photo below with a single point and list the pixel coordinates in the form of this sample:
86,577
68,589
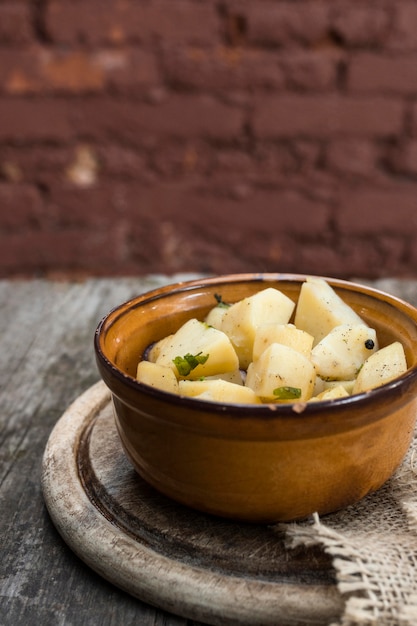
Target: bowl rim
290,409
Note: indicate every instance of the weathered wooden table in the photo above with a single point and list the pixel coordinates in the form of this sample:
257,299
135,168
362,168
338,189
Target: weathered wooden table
47,361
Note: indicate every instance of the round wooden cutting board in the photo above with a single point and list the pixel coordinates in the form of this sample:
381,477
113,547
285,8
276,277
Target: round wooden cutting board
191,564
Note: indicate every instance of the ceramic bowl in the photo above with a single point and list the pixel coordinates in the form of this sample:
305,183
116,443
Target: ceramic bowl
249,462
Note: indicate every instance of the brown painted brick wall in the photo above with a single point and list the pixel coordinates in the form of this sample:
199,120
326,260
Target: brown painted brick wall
208,136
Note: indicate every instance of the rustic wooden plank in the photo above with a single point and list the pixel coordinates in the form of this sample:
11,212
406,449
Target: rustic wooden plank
46,361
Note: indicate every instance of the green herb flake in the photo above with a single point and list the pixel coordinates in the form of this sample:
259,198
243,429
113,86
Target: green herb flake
185,364
220,302
287,393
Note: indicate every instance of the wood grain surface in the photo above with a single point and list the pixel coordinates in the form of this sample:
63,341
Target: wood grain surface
46,362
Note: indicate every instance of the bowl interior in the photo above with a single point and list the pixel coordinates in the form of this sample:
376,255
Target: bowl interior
128,331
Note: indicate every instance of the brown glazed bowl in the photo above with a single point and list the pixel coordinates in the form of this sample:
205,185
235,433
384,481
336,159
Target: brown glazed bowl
249,462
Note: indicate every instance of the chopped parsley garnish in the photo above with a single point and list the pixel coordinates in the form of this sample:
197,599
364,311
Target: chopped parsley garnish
185,364
287,393
220,302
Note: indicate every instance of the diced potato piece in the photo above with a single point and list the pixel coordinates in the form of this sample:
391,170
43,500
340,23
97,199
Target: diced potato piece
320,308
342,352
242,318
381,367
321,385
218,391
215,316
338,391
235,377
155,350
157,376
286,334
197,338
280,367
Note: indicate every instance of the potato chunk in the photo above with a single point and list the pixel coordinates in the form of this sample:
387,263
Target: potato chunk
242,319
286,334
343,351
157,376
281,373
231,377
215,316
331,394
155,349
197,338
218,391
324,385
381,367
320,309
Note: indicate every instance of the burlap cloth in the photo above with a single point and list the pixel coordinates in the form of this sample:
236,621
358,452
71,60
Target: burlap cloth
374,549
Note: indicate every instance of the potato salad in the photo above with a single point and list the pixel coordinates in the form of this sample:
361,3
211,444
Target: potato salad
266,348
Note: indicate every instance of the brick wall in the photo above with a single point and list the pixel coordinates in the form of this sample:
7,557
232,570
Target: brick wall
211,136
